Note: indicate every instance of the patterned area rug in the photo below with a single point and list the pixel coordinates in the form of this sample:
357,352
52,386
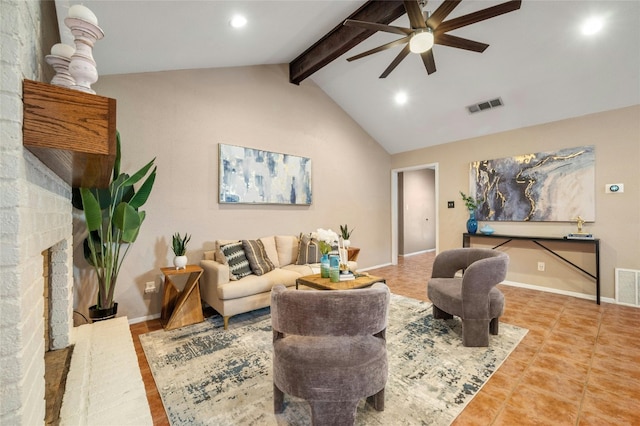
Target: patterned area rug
206,375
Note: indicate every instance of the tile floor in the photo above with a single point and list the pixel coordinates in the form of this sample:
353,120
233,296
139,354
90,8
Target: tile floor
578,365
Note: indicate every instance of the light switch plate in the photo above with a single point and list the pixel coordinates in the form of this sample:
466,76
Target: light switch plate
450,204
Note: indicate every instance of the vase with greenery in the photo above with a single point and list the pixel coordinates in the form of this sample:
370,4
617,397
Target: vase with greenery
472,205
113,221
179,247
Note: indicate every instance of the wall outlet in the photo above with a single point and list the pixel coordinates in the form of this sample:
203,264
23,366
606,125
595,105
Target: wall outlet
150,287
541,266
614,188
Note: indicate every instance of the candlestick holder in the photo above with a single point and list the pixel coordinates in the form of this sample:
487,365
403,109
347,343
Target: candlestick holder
61,66
82,66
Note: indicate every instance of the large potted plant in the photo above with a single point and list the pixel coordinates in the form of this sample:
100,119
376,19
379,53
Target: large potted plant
113,221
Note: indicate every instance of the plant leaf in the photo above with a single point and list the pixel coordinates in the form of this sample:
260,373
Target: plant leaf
116,164
115,188
143,192
92,210
126,218
139,174
131,235
97,246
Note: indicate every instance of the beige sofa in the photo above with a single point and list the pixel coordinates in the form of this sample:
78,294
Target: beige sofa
229,297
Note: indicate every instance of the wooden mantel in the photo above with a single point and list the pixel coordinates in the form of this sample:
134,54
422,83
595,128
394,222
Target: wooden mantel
72,132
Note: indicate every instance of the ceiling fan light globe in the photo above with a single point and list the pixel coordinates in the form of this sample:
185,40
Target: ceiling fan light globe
421,41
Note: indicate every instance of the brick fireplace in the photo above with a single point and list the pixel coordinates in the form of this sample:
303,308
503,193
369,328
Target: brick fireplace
35,216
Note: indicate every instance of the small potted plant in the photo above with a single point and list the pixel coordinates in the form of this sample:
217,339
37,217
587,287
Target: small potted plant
346,235
179,247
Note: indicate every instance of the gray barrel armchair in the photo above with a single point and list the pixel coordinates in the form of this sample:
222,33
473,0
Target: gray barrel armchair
329,348
472,297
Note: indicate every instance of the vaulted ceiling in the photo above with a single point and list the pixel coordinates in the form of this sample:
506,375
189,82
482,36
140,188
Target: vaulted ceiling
538,61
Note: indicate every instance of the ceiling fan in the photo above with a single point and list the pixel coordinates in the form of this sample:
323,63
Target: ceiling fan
427,30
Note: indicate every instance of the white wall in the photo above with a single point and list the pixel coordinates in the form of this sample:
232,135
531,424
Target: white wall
35,215
180,117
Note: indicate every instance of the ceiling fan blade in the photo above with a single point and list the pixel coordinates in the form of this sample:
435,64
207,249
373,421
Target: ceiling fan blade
374,26
460,43
403,54
441,13
380,48
429,62
415,14
481,15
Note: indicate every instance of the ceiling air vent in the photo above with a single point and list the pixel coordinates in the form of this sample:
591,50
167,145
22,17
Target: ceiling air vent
483,106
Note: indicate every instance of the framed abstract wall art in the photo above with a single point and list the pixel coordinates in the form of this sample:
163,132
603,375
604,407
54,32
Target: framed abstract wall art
554,186
253,176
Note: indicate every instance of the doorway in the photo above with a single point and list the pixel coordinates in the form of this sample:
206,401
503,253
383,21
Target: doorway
414,201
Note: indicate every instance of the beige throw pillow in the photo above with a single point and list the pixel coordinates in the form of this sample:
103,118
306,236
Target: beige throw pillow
287,246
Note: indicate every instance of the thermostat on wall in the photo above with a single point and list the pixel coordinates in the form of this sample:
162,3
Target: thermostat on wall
614,188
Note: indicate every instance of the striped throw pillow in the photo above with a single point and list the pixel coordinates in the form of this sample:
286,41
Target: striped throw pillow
308,251
237,260
257,255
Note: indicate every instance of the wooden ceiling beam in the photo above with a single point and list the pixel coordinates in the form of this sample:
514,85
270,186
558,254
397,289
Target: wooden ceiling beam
341,39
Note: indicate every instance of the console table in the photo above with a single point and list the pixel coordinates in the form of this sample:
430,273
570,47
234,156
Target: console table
595,242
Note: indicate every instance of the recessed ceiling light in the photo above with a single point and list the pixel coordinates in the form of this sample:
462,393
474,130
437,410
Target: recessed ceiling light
401,98
592,26
238,21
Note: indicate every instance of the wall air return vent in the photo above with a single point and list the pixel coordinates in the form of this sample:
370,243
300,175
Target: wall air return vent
483,106
628,287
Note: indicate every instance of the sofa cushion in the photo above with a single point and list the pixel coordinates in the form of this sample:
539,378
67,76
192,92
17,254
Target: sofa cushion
270,247
303,270
254,284
258,260
308,251
237,260
287,246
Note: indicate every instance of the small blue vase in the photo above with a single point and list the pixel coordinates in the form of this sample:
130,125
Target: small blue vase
472,223
324,266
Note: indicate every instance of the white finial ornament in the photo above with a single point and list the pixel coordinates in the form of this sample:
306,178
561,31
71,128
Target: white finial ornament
84,27
59,59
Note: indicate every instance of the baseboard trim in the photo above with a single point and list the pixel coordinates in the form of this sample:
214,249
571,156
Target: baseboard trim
142,319
375,267
557,291
416,253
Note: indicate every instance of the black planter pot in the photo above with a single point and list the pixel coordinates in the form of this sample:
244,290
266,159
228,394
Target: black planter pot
102,314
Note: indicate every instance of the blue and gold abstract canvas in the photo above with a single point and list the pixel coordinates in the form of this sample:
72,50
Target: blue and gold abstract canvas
253,176
553,186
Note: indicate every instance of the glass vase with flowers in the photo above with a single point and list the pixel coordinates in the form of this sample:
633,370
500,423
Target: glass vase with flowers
326,239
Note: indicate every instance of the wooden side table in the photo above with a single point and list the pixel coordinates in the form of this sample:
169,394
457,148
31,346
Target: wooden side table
352,253
180,308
